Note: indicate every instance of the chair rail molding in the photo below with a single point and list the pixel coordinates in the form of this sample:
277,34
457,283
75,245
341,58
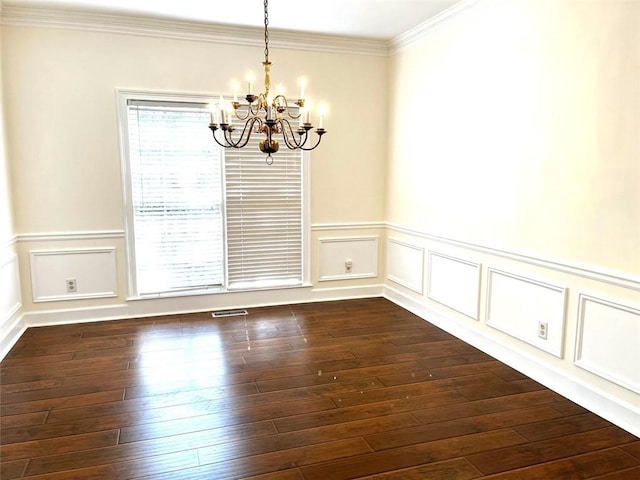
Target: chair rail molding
70,236
619,279
323,227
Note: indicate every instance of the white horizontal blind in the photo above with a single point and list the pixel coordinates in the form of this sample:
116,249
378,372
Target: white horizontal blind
264,216
176,194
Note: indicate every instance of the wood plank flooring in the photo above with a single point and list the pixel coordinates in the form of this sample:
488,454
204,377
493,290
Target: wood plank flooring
326,391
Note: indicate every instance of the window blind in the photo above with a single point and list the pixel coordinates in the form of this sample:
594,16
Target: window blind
177,197
264,216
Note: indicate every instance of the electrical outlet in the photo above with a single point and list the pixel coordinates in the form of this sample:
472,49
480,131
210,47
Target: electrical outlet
72,286
348,266
543,327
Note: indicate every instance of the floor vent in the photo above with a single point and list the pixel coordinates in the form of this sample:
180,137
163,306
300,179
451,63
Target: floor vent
229,313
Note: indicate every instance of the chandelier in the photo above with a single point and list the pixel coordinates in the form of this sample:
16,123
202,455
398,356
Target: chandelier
265,114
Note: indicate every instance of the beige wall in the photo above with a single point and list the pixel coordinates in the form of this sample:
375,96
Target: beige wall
62,84
65,152
515,126
6,223
513,190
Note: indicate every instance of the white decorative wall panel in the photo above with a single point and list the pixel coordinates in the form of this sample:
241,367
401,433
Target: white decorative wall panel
516,305
10,298
94,272
608,341
454,283
405,265
362,252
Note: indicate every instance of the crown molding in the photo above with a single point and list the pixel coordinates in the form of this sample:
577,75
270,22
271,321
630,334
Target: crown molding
215,33
419,32
185,30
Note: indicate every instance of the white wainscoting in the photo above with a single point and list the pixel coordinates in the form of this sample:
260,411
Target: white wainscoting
454,282
560,380
620,279
362,252
608,341
10,298
11,321
516,305
94,271
405,264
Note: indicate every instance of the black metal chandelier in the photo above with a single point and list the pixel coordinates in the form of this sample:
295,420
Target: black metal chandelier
265,114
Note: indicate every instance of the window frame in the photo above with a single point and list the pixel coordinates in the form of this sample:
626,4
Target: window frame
122,98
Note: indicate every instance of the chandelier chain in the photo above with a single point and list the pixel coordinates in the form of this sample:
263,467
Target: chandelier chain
266,31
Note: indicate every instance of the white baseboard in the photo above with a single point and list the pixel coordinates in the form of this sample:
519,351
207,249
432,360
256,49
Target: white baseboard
197,303
624,415
345,293
178,305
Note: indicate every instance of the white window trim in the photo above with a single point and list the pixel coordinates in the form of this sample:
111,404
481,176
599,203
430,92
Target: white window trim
122,96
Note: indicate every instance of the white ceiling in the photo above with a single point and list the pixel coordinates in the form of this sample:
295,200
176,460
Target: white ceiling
378,19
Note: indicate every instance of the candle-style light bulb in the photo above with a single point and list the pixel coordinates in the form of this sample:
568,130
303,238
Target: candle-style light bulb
250,78
213,112
308,106
322,111
223,110
234,88
302,83
229,112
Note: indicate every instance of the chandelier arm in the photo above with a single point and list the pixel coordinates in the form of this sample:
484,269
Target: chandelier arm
248,129
244,117
307,149
229,143
290,141
218,141
286,107
252,107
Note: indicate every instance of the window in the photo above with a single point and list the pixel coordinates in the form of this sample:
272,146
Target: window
200,216
176,198
264,217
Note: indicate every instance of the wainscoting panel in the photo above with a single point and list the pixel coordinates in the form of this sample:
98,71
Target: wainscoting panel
518,305
608,341
405,265
333,253
93,271
10,298
454,282
11,318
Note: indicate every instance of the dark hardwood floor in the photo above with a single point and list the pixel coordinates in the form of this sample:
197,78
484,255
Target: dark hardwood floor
338,390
